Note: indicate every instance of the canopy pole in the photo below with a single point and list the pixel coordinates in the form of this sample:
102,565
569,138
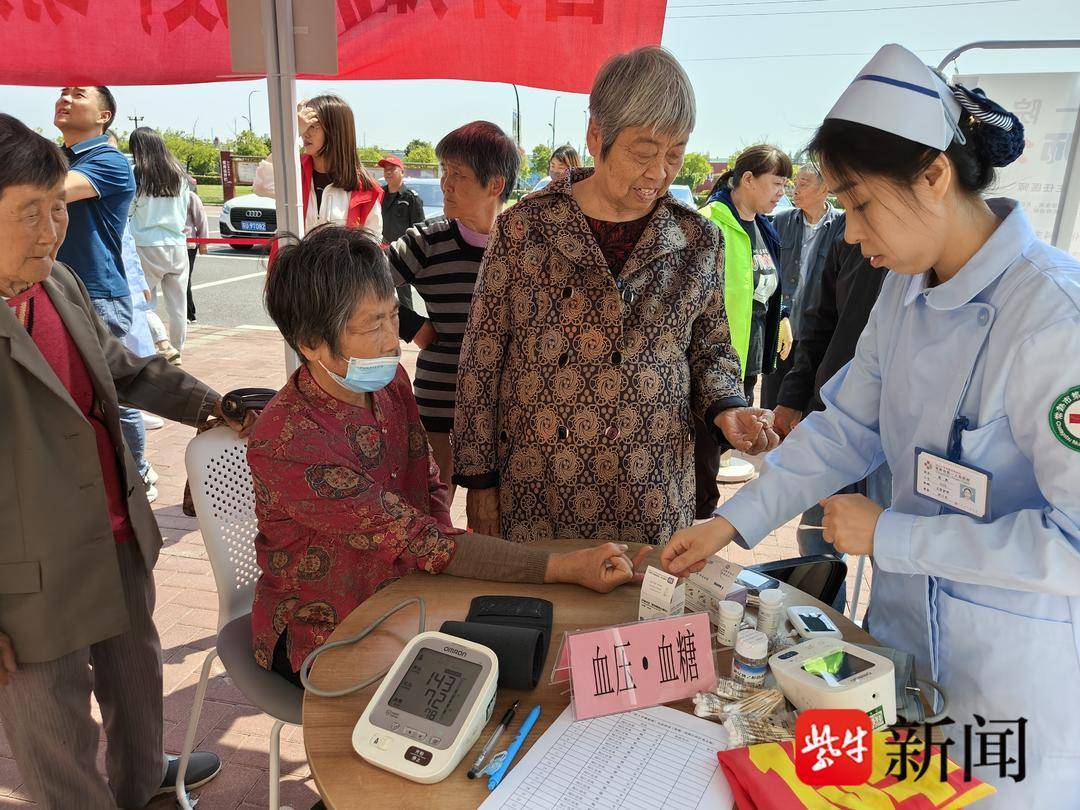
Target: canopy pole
277,18
1069,201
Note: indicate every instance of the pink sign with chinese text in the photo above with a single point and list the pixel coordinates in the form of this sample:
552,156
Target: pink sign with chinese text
642,664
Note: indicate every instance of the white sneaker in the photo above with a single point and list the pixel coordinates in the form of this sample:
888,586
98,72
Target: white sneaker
151,476
151,422
151,493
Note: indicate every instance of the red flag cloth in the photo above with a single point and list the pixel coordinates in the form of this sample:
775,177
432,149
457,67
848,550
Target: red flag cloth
762,777
556,44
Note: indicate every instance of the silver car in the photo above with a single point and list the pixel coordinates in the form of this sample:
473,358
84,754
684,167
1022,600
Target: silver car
430,194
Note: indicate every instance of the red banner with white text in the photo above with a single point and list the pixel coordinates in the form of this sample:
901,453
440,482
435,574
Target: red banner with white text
556,44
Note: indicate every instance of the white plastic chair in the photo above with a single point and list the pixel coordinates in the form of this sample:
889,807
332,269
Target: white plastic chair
224,499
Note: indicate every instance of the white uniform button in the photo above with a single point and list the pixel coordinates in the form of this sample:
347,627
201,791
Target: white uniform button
983,317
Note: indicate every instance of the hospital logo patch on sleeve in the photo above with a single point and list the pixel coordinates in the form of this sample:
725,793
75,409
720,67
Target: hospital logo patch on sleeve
1065,418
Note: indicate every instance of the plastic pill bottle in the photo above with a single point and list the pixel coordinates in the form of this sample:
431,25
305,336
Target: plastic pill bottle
730,614
770,611
751,658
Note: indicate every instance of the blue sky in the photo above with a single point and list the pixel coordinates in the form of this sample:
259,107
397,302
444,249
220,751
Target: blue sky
765,70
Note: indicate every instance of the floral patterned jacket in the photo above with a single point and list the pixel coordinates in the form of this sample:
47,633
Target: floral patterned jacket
347,499
575,388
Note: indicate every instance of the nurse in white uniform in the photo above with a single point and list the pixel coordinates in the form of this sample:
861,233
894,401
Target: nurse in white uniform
967,382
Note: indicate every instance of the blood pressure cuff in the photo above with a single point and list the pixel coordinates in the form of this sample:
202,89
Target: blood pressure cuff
516,628
520,650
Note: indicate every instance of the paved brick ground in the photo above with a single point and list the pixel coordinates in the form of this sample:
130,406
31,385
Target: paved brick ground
186,612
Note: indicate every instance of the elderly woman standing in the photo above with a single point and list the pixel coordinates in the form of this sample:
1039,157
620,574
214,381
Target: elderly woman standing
440,258
597,328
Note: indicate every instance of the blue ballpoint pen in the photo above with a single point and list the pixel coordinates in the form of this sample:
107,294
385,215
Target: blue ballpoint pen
511,752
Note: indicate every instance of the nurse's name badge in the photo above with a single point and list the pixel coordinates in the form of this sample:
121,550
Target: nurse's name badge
1065,418
956,486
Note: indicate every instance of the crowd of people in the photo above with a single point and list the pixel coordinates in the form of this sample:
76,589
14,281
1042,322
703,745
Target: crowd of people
588,356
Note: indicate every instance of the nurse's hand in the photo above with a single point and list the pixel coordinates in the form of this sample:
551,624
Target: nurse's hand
749,430
849,523
689,549
602,568
482,511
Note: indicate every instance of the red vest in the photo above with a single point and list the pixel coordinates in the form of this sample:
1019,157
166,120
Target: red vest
361,201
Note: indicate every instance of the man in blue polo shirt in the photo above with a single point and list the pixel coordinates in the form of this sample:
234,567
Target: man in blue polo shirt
99,188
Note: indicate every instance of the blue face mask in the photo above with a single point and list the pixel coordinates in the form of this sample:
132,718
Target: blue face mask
366,374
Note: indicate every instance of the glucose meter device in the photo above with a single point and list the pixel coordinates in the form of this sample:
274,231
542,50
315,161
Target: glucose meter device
812,622
830,673
430,708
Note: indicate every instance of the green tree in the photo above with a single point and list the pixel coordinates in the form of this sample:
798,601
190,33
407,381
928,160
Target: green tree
696,168
370,155
197,156
524,169
420,152
249,144
540,158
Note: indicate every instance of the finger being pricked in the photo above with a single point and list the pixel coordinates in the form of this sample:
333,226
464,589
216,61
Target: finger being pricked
763,416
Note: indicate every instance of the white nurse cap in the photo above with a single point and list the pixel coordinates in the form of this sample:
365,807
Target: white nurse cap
897,93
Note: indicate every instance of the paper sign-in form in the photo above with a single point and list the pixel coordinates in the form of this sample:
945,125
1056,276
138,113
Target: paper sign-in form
642,664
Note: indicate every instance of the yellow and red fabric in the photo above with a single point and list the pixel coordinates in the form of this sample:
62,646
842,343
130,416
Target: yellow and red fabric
762,777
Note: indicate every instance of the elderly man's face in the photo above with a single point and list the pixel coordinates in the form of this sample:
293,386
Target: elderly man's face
810,192
33,223
639,167
393,175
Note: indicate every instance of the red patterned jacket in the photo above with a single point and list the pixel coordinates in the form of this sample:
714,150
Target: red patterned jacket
347,500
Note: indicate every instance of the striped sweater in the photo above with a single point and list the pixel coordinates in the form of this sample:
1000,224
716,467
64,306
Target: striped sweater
442,267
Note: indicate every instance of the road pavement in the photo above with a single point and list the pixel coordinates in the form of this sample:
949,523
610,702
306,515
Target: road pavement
227,285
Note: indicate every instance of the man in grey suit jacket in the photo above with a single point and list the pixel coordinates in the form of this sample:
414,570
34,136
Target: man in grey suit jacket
806,232
79,540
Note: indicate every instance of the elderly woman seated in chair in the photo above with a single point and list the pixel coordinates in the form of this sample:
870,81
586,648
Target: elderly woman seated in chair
347,495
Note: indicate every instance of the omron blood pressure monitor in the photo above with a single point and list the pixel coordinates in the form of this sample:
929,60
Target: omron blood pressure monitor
430,708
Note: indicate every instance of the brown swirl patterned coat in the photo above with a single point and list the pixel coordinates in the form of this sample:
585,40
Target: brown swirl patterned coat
575,388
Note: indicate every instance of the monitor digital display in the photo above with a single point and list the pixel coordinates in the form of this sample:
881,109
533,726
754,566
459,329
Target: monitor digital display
836,667
435,686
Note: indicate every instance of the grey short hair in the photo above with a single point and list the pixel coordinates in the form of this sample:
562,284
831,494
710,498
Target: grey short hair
646,87
487,150
814,169
314,285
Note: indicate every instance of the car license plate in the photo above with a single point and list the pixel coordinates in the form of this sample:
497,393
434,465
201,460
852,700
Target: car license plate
252,225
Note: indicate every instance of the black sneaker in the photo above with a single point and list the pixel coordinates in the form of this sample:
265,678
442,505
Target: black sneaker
202,767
